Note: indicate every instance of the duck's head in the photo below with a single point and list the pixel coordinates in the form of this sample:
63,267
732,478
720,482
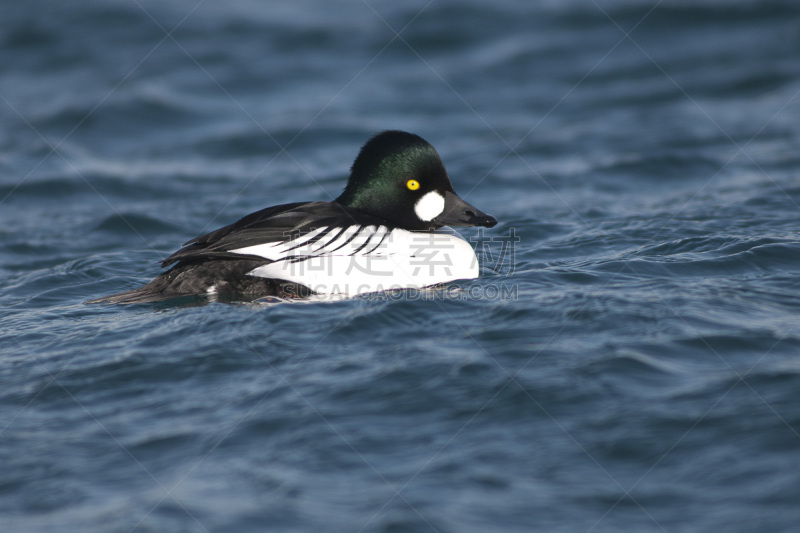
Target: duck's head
400,177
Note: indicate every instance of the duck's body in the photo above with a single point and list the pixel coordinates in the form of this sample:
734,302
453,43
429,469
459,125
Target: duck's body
378,235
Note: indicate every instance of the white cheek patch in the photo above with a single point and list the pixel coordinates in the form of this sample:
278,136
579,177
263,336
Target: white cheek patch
429,206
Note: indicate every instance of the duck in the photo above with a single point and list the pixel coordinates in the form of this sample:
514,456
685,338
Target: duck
389,229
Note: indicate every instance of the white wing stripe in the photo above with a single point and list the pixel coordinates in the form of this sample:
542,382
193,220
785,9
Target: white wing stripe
313,236
370,232
333,239
279,250
350,240
355,232
342,239
386,233
331,235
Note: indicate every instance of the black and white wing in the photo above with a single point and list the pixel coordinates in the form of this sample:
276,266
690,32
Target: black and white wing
281,229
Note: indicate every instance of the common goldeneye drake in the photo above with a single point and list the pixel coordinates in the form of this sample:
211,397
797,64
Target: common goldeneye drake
380,234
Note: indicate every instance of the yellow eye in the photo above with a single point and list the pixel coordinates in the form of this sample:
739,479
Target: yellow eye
412,185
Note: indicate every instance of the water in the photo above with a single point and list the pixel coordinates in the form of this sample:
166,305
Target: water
628,360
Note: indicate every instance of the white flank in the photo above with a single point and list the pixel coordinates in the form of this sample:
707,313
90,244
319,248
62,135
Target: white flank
403,260
429,206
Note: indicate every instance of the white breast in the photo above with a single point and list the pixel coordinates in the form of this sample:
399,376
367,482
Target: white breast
367,259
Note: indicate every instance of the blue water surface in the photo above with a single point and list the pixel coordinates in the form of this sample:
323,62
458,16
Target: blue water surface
629,359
